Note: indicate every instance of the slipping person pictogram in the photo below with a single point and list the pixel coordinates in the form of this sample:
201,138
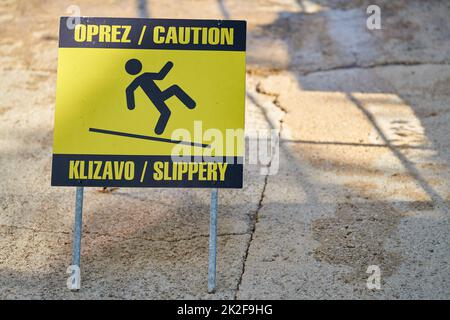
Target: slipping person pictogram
147,82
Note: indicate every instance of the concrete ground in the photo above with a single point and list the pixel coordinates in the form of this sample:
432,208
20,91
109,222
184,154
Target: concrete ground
364,163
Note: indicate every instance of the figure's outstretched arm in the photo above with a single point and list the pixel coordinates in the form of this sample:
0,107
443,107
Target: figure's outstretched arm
164,71
130,94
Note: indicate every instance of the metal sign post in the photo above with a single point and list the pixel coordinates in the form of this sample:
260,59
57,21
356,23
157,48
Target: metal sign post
74,281
212,242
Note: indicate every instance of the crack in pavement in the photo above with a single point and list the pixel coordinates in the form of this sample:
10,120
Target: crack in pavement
254,219
124,237
374,65
355,65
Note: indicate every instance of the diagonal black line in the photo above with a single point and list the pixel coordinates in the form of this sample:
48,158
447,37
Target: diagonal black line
408,164
138,136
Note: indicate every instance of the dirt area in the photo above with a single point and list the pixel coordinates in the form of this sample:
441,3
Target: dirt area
364,158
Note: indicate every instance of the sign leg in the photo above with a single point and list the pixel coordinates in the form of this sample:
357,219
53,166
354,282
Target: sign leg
212,242
74,281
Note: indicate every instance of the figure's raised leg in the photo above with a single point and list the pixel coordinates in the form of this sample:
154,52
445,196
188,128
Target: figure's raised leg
163,118
180,94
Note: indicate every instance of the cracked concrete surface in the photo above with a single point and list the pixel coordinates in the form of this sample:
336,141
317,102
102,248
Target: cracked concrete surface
364,163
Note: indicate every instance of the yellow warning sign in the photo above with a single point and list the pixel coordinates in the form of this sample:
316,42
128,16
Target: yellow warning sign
150,103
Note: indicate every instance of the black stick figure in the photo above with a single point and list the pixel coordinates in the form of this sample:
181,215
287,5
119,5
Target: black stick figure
147,82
